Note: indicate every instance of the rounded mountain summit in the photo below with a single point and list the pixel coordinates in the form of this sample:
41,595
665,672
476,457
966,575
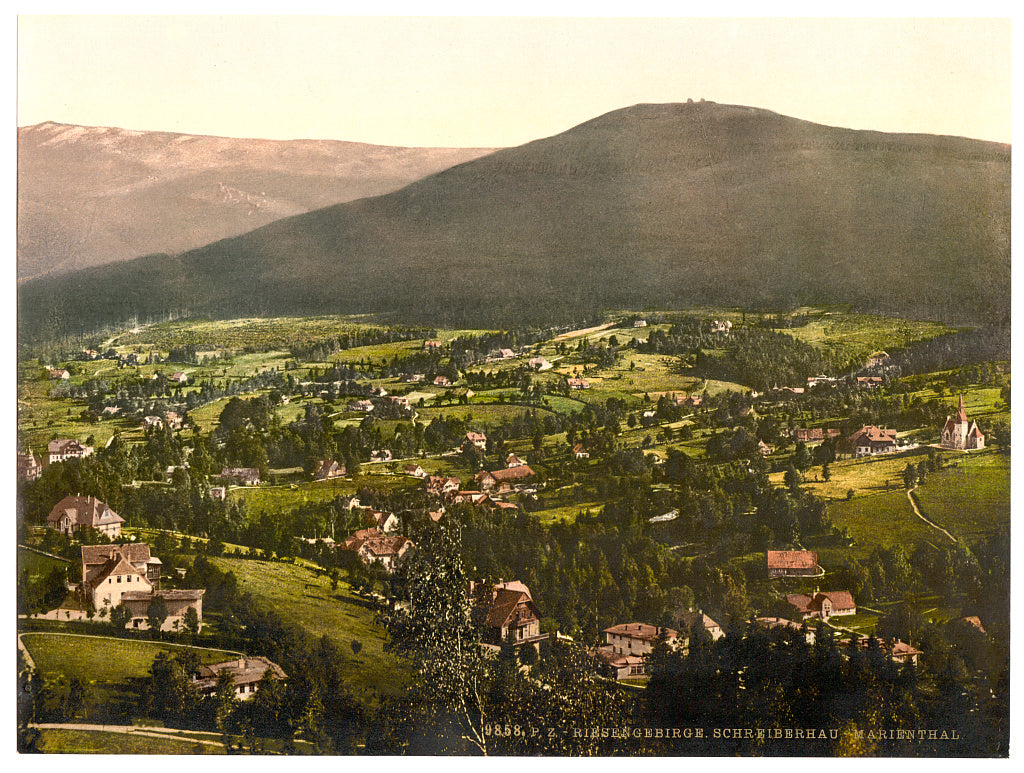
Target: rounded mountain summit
667,205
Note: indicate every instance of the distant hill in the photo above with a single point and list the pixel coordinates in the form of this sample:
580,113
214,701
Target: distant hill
648,206
91,195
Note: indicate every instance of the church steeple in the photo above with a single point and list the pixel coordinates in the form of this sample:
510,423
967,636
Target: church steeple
961,416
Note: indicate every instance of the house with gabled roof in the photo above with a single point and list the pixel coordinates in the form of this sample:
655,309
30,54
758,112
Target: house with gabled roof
415,470
503,610
178,377
328,469
59,374
75,512
781,623
478,439
441,486
128,575
513,461
375,547
822,605
577,383
688,618
792,563
64,448
870,440
246,676
579,452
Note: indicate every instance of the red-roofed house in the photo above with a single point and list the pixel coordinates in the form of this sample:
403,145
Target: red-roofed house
503,478
577,383
388,550
792,563
415,470
870,440
478,439
823,605
73,512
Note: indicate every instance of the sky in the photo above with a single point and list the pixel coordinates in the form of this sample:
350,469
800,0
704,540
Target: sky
502,81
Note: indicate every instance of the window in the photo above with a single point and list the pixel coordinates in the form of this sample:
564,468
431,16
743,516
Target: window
118,579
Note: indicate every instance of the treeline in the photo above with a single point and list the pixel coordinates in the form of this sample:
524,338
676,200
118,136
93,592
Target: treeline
773,682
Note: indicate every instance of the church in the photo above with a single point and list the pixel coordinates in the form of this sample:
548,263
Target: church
960,434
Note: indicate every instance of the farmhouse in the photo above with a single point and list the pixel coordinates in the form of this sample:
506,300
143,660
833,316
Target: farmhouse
380,455
579,452
640,323
870,440
63,448
792,563
442,381
504,610
178,377
959,434
364,406
29,468
246,675
241,476
506,354
823,605
73,512
431,344
869,382
415,470
328,469
577,383
538,363
59,374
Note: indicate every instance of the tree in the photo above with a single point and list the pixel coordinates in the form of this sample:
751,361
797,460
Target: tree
435,633
826,473
909,476
192,622
119,617
156,614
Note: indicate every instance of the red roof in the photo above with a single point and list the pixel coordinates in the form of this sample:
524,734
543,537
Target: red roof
792,559
83,511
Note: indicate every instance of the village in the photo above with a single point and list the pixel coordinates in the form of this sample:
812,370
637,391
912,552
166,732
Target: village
751,501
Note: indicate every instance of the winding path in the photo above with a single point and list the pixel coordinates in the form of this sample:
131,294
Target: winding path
917,512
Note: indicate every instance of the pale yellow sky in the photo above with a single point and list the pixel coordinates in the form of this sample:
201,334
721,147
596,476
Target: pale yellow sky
492,82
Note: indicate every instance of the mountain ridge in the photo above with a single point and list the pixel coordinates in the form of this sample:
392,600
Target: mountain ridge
651,205
91,195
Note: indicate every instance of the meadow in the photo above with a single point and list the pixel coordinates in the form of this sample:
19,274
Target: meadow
101,658
37,565
970,498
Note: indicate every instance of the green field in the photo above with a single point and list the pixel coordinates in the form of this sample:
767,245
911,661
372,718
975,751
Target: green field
882,519
99,742
322,612
38,566
970,500
259,499
102,658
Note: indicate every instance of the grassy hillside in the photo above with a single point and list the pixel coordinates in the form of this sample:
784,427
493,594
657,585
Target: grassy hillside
653,205
344,617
